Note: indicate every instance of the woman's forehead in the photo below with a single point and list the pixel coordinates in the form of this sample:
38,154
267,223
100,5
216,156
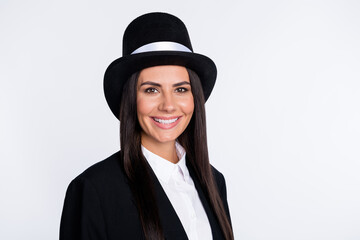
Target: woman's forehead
164,74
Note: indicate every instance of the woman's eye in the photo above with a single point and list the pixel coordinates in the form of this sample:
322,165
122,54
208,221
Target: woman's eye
151,90
182,89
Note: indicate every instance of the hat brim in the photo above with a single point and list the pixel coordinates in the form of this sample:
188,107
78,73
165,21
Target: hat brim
122,68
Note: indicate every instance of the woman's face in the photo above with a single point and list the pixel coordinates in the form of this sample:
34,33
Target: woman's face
165,103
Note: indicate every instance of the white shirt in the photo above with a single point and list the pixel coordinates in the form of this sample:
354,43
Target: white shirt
180,189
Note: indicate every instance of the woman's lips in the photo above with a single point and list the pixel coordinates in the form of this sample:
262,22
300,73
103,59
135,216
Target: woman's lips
166,122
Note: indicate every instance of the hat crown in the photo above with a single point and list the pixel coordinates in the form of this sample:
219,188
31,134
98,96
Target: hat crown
154,27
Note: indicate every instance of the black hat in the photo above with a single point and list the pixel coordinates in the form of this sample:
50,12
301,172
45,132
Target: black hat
150,40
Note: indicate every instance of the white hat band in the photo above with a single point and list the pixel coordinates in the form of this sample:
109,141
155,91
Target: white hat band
162,46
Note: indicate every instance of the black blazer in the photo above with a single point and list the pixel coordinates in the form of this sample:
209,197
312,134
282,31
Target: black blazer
99,205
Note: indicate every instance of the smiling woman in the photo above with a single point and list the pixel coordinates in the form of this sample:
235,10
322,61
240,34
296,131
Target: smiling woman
165,105
160,185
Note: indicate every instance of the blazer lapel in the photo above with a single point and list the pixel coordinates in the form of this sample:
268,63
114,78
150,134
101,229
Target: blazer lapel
215,227
170,221
173,229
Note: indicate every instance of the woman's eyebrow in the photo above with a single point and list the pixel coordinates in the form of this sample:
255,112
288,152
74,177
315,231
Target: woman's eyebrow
180,83
150,83
159,85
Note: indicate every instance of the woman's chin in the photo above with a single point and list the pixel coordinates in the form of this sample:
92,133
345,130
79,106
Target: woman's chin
162,139
166,139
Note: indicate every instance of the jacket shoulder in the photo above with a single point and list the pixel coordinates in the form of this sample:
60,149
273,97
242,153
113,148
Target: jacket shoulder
103,171
97,202
221,184
106,178
219,177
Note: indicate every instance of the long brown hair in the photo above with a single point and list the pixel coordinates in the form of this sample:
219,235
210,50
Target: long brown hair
194,141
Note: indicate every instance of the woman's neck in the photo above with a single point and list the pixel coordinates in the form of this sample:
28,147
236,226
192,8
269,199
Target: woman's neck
165,150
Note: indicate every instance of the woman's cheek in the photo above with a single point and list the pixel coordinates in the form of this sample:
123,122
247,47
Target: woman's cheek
188,105
144,105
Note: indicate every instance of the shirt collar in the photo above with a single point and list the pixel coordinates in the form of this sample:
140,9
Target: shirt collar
163,168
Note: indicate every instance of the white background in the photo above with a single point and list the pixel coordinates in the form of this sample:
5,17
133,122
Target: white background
283,119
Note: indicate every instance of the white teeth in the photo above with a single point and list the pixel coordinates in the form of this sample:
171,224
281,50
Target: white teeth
165,121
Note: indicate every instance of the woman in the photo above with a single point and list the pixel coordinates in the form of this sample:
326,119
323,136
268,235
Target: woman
160,185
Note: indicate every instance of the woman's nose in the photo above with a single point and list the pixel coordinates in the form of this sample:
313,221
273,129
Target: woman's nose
167,103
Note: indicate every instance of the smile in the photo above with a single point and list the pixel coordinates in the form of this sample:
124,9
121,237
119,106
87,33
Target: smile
166,123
